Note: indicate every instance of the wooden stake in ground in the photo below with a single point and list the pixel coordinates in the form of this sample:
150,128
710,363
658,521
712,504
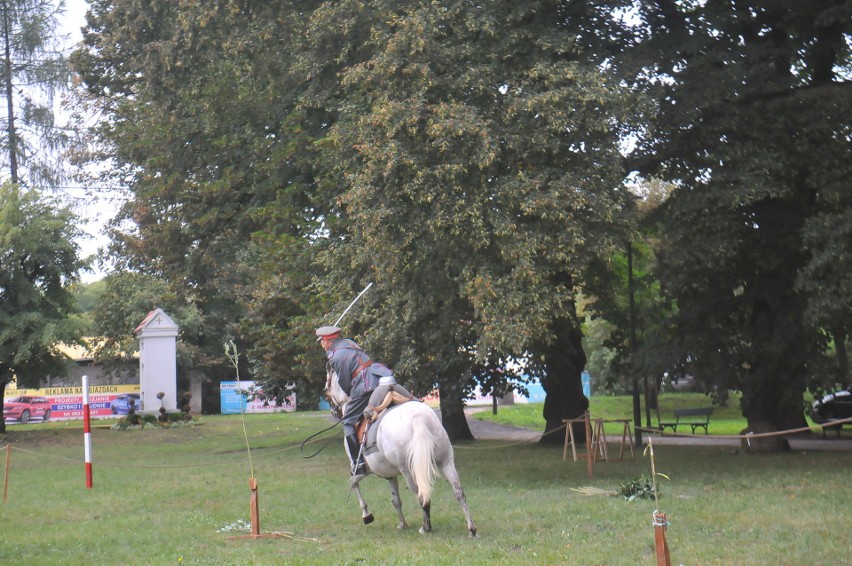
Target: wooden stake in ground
255,510
660,523
6,475
590,447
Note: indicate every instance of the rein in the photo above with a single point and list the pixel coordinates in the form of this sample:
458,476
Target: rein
314,435
337,412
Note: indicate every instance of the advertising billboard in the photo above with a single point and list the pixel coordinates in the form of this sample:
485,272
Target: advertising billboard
244,397
66,403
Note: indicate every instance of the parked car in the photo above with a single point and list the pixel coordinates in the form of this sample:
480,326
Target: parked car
837,405
26,407
122,403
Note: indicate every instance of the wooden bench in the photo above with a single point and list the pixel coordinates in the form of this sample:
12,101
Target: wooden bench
689,417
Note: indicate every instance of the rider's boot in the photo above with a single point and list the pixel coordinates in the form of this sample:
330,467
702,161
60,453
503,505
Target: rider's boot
353,447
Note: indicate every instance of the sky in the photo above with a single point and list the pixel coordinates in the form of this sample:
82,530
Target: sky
94,211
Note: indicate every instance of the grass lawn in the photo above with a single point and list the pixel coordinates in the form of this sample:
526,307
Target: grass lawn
181,496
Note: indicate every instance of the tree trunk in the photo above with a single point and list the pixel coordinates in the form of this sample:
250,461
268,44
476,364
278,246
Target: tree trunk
3,384
565,360
10,100
452,412
774,391
781,341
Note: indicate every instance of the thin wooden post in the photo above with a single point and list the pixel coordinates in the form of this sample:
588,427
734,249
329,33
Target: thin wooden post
590,447
6,474
255,510
255,516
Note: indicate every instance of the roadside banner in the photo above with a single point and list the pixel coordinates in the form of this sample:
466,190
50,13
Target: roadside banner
66,403
246,397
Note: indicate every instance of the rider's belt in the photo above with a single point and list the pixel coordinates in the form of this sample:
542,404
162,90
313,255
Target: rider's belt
361,367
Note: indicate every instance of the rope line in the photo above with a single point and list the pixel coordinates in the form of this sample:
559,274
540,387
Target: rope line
302,444
198,465
746,436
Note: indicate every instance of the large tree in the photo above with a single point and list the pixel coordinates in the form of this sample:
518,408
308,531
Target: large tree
203,132
753,128
477,173
464,157
39,264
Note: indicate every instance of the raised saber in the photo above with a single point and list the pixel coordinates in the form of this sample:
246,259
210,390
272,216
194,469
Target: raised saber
361,294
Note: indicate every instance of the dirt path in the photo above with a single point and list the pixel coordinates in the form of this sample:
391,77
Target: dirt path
486,430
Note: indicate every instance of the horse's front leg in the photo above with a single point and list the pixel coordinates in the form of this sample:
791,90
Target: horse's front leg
397,502
355,484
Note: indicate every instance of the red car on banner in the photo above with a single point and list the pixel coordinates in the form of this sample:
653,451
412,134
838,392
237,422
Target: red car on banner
26,407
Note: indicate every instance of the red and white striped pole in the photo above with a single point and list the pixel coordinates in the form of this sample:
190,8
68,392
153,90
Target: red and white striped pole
87,432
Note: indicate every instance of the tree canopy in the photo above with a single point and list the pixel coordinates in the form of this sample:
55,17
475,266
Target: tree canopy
471,159
752,128
39,263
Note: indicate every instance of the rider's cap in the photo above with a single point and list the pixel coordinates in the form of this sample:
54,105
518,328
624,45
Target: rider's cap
328,332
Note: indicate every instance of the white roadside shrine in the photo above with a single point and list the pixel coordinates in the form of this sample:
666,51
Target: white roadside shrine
157,336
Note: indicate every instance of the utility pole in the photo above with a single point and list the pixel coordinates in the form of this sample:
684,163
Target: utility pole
637,405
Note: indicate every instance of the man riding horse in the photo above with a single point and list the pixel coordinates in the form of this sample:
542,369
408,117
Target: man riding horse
367,384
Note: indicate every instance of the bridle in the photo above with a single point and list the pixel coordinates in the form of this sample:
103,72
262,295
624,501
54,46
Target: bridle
337,406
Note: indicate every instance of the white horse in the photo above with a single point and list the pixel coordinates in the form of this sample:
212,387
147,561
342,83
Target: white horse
412,442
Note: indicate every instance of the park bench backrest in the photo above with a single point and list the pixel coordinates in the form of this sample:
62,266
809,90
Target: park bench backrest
703,411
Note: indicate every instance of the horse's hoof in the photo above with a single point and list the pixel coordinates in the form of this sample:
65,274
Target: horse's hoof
368,519
424,531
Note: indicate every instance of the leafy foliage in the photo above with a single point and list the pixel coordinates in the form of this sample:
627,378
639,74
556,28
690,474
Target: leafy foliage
753,130
468,158
39,264
638,488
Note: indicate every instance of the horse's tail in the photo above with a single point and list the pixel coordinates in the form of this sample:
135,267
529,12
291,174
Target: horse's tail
421,458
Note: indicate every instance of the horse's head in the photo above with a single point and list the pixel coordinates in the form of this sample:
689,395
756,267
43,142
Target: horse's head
335,396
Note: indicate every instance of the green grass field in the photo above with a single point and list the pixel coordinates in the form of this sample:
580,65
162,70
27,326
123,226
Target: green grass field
181,496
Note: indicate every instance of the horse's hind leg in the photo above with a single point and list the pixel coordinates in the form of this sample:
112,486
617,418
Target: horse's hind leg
449,471
412,485
397,502
427,518
366,516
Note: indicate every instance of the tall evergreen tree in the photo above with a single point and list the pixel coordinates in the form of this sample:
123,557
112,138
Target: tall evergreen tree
34,69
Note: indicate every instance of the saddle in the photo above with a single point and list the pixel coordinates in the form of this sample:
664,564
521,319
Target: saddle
392,398
364,429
